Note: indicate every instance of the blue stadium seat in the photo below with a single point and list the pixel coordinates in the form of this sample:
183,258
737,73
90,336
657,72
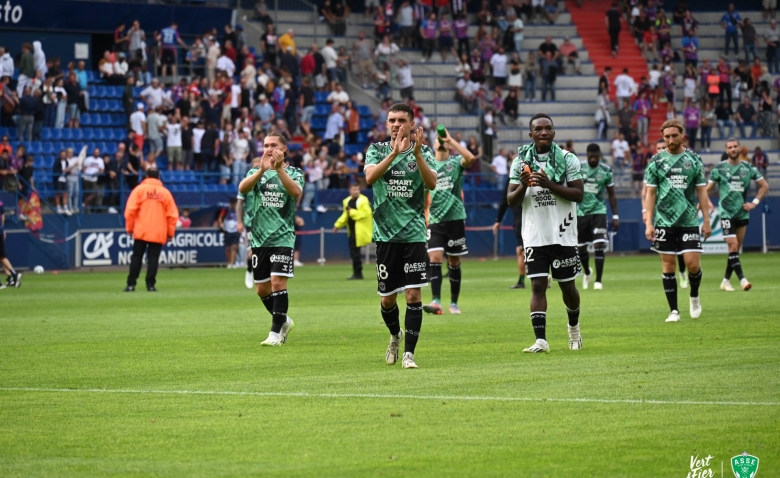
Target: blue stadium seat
137,91
366,124
117,91
72,145
11,133
365,111
34,147
97,134
210,188
58,146
322,110
46,134
66,134
92,90
192,188
102,145
175,188
98,104
351,149
321,96
119,134
101,91
111,148
87,119
39,162
89,134
362,137
189,176
118,120
318,123
47,147
77,134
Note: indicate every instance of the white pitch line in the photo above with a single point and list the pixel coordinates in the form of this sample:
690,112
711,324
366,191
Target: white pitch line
464,398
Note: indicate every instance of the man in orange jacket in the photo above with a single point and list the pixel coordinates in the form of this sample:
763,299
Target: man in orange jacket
150,216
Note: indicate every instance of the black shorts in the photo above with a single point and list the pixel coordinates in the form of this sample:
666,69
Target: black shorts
271,261
400,266
676,240
60,186
445,43
637,176
499,80
232,239
730,226
592,228
518,227
168,57
449,236
2,246
563,260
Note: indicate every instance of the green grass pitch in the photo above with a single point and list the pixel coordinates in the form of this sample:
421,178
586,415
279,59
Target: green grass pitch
96,382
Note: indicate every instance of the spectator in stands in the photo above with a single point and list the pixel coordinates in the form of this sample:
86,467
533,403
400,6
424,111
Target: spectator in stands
619,149
27,107
639,157
649,44
330,56
155,122
361,51
61,98
570,55
515,80
687,23
239,154
724,116
708,119
549,73
488,131
92,169
461,27
446,44
352,117
131,166
530,73
690,48
172,129
405,80
766,113
511,105
549,47
136,40
169,38
749,40
724,72
261,12
551,10
406,24
760,160
7,172
498,64
72,171
731,22
746,115
692,115
74,93
771,38
385,51
626,119
499,167
6,63
625,87
334,128
264,113
138,125
640,27
602,117
642,115
26,68
428,32
153,95
465,93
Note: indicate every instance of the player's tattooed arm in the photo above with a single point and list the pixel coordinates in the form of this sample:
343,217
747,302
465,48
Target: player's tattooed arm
763,188
704,204
650,198
375,171
248,183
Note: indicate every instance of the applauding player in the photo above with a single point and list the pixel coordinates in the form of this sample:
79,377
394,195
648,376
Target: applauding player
399,172
270,191
447,221
733,179
675,180
547,180
592,213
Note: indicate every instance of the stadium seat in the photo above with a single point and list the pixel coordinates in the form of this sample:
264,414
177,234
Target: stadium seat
210,188
66,134
111,148
321,96
118,120
58,146
189,177
192,188
101,105
318,123
321,110
98,134
366,124
362,137
86,119
39,162
101,91
11,133
89,134
77,134
47,147
365,111
34,147
351,149
46,134
105,120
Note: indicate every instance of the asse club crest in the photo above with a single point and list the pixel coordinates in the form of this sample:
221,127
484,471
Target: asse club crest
411,166
744,465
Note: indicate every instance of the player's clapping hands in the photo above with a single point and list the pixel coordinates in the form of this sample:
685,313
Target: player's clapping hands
418,141
401,143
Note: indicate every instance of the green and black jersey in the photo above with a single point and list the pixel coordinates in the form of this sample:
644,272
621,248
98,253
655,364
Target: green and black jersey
399,195
447,199
270,211
596,182
733,184
675,177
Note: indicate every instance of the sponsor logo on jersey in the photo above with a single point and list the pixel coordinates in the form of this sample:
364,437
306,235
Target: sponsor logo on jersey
676,170
271,186
544,198
570,262
690,237
415,267
381,287
279,258
397,172
458,242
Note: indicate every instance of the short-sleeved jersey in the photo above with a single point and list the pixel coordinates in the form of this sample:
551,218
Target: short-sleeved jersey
547,218
675,177
399,195
271,210
447,199
596,182
247,207
733,184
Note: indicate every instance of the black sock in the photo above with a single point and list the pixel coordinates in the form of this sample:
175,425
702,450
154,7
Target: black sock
574,316
695,280
434,274
391,319
729,269
280,310
735,265
599,264
681,262
249,262
539,321
670,288
454,282
585,260
413,324
268,302
521,280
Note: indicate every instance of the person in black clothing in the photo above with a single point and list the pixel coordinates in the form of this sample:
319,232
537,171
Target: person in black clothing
183,105
208,147
110,181
350,215
40,114
127,98
746,115
131,166
24,177
27,107
289,62
613,27
517,213
291,111
725,117
75,94
186,143
640,27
